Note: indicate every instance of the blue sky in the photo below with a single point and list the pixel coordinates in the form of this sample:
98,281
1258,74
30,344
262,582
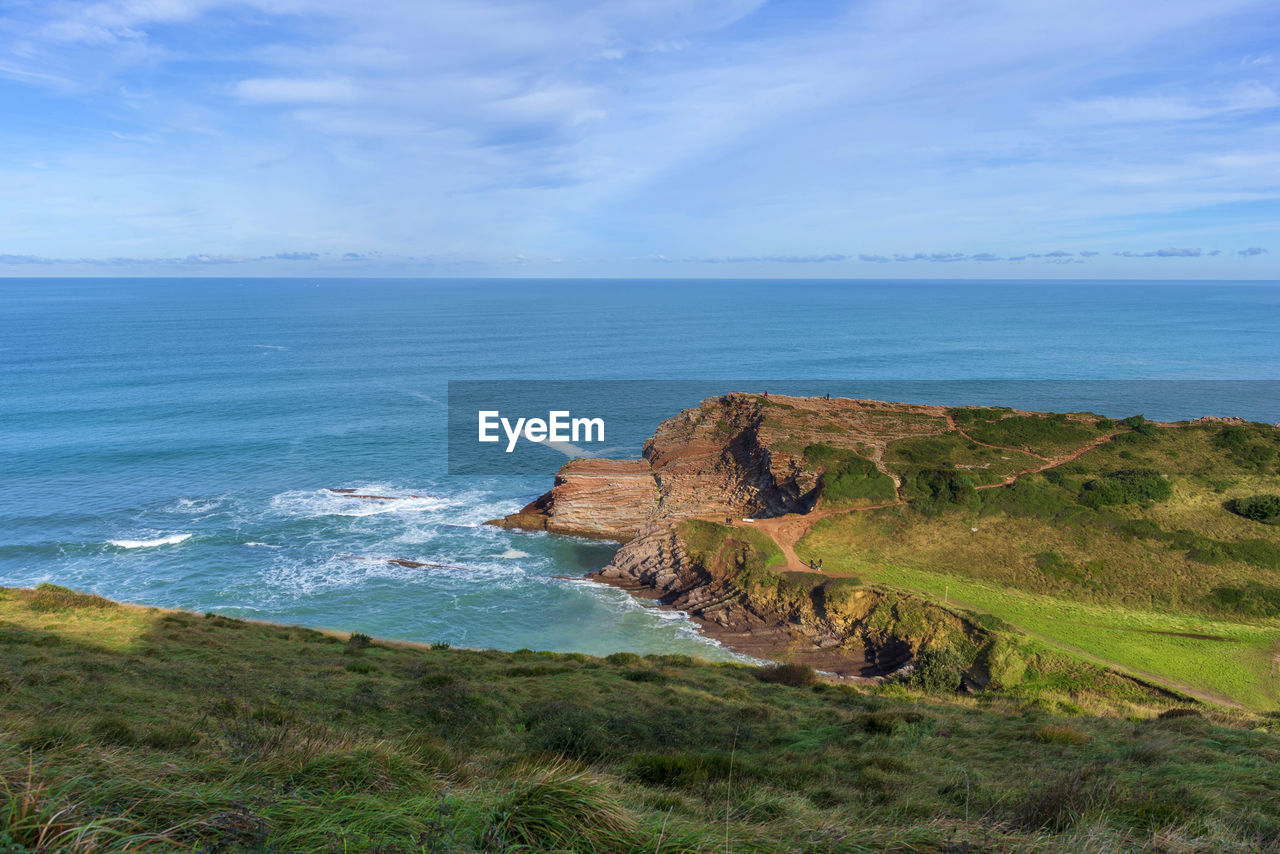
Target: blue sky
725,138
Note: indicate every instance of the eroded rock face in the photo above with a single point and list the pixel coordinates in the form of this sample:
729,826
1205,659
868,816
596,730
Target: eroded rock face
610,499
736,455
851,631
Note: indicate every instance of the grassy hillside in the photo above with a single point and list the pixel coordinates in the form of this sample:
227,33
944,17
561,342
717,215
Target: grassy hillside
1155,550
128,728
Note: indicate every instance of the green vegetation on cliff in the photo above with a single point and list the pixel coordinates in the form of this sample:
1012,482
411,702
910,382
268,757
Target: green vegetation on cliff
130,728
848,479
1136,553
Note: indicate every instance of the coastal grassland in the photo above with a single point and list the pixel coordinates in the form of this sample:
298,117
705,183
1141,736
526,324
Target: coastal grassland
712,544
204,733
1046,435
982,465
1133,538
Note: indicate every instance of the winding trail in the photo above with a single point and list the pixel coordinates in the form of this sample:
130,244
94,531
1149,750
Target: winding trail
788,530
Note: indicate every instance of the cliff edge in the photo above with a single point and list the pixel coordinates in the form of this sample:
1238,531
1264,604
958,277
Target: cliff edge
732,456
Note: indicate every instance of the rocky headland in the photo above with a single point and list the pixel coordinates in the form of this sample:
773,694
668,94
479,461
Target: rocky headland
732,456
708,515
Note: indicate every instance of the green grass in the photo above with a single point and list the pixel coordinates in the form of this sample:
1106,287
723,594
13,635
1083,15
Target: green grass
710,543
849,480
1237,667
1134,537
129,729
1047,435
981,464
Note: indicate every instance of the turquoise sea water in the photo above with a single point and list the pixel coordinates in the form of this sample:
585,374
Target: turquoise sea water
171,442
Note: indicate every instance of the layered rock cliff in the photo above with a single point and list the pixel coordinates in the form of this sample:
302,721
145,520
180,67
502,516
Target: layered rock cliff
718,576
736,455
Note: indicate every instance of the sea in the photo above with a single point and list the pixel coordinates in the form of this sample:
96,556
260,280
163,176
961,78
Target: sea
175,442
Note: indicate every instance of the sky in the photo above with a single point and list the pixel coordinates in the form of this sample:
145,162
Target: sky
641,138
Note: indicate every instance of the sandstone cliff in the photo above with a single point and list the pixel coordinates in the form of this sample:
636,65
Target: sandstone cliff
736,455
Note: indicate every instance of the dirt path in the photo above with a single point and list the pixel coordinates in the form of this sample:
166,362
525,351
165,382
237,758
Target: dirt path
1029,453
1049,463
788,530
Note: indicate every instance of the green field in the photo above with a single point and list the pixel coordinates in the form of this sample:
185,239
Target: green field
134,729
1117,556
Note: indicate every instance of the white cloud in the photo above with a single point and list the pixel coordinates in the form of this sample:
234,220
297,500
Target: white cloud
673,127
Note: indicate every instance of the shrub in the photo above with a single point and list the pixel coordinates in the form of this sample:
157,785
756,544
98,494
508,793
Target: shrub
627,659
1263,553
936,489
644,676
1058,803
1235,440
46,736
1125,487
1259,508
358,643
849,478
795,675
938,670
1139,425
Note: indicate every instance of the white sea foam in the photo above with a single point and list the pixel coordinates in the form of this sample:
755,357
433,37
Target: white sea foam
512,554
171,539
262,545
310,504
194,505
269,346
335,572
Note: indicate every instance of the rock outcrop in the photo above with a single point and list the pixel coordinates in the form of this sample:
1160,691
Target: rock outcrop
609,499
736,455
833,624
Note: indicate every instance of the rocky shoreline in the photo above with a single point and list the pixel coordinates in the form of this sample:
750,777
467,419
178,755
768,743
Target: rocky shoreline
656,566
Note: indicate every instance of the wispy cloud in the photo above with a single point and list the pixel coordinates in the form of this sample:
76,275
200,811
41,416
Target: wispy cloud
1162,253
773,259
589,137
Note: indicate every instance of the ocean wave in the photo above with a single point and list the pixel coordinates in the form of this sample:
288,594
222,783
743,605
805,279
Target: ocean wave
169,540
291,576
512,554
310,504
263,545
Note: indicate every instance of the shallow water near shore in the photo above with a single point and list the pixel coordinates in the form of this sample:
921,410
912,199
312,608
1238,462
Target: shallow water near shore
175,442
